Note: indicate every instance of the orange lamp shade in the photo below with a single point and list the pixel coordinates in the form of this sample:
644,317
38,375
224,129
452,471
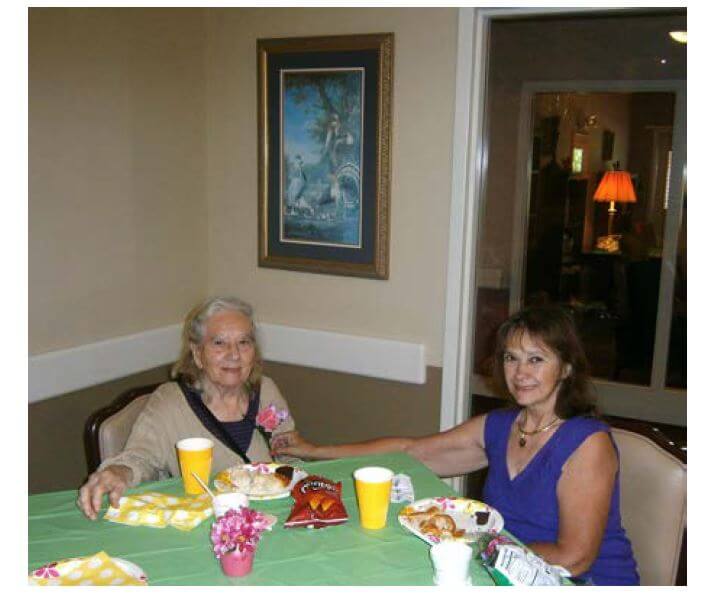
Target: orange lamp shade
615,186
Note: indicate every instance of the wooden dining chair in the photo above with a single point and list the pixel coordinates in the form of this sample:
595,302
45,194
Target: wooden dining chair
652,500
107,429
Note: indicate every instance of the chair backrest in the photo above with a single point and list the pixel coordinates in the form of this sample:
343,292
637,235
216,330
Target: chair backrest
108,429
653,504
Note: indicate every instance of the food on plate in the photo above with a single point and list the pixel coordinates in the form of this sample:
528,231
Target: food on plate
442,526
284,474
317,504
450,518
433,522
482,517
254,482
259,481
421,515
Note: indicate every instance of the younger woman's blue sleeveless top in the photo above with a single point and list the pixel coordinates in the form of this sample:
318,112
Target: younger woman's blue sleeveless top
529,502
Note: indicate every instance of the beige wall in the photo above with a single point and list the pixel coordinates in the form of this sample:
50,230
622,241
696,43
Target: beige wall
117,208
410,305
143,189
143,199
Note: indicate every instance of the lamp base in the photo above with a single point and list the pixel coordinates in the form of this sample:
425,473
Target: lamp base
609,244
611,215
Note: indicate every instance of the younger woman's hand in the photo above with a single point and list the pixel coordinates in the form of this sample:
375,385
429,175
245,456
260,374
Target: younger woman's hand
293,444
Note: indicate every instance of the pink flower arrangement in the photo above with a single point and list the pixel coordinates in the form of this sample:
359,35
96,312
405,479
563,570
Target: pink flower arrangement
270,418
238,530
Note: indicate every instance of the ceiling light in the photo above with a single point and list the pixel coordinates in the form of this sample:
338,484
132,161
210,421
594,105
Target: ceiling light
678,36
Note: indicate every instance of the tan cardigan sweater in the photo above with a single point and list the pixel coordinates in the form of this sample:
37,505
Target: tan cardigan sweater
150,450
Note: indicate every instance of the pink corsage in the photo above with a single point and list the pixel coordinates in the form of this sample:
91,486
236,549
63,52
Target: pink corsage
269,419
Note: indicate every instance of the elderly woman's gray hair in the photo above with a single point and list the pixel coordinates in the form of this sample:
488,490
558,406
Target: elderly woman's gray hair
193,333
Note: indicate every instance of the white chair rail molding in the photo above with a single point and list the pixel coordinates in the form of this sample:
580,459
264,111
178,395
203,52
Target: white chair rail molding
56,373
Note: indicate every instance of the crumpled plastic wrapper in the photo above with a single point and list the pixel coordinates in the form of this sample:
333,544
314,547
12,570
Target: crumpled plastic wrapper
510,564
402,489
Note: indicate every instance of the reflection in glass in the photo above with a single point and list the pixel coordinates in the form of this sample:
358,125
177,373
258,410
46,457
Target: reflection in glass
601,254
556,249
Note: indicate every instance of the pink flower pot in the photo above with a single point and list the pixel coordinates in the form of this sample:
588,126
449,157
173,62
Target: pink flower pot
236,563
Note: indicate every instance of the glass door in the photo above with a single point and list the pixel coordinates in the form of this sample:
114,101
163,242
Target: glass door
599,97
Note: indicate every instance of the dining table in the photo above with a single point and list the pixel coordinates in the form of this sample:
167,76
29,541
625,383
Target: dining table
338,555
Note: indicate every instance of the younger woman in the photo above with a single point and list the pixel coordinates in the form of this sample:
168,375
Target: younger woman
552,465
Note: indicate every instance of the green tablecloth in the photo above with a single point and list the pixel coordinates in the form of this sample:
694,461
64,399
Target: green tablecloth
340,555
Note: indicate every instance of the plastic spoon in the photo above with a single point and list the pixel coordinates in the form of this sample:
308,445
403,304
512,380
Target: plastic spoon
204,486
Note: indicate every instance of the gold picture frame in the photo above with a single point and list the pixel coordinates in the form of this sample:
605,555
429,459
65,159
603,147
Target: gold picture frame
324,122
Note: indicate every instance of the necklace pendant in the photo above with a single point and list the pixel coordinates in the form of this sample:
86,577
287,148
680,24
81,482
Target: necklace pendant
522,441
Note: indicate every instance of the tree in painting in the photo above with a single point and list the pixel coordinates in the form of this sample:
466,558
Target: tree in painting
321,156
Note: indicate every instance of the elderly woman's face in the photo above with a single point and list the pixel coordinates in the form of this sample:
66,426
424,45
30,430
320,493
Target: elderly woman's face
227,353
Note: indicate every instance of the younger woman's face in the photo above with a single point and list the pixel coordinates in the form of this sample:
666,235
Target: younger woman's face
533,372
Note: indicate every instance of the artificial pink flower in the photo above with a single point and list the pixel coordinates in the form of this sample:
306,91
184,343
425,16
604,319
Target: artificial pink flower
238,530
47,571
270,418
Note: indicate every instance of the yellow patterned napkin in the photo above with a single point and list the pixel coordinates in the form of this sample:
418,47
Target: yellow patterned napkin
96,570
157,510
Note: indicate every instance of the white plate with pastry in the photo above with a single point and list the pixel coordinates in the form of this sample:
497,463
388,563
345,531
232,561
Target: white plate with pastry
260,481
450,518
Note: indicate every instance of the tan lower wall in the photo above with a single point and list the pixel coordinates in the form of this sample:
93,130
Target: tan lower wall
334,408
56,457
328,407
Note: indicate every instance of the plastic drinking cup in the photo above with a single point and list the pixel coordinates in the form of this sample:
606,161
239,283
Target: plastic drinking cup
451,561
229,500
372,487
195,455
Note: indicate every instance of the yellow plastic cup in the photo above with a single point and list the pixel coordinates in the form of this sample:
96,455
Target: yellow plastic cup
372,487
195,456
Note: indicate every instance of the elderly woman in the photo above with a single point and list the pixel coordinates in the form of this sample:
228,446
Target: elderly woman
552,465
218,393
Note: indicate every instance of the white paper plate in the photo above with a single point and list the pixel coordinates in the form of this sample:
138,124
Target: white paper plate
461,510
223,483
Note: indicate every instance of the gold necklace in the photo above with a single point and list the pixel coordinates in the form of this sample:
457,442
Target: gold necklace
524,434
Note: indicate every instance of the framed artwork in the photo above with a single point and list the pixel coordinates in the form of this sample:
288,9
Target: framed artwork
324,112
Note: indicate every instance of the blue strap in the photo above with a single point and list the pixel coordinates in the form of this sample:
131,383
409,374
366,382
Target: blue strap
211,423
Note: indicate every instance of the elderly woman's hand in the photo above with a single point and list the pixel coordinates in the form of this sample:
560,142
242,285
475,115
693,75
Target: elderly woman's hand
112,480
293,444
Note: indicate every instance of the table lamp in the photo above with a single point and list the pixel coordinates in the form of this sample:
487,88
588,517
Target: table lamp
615,186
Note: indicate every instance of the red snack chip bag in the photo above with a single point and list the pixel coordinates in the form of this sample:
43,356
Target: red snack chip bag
317,503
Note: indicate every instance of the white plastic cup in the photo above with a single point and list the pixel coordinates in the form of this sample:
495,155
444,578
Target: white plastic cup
451,561
227,501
